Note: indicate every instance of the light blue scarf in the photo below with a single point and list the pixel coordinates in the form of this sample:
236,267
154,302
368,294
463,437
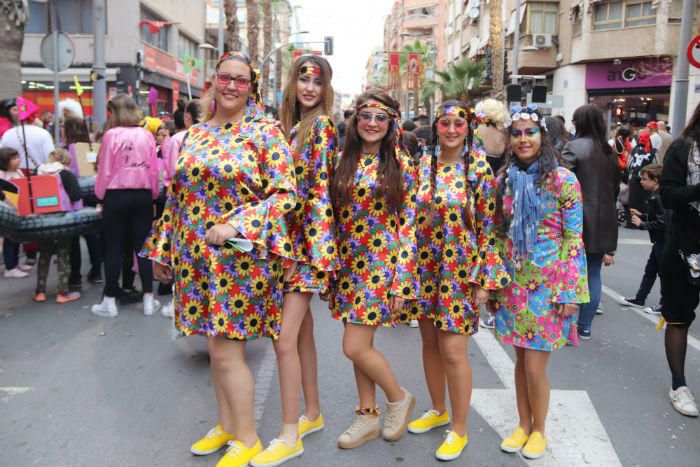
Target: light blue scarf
526,218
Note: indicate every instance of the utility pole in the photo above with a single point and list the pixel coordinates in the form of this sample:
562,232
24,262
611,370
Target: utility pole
679,106
99,87
56,116
516,44
221,28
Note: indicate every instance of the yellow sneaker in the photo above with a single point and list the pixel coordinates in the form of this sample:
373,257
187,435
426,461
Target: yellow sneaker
306,426
429,420
535,446
238,455
515,441
452,447
212,442
277,453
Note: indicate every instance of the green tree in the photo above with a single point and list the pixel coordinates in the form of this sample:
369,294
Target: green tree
460,81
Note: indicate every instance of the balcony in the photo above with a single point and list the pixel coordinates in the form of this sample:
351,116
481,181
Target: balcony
660,39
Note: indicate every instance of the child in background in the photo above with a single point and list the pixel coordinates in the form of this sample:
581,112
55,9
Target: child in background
653,221
59,165
9,169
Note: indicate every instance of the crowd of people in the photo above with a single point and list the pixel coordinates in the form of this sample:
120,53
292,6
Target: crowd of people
481,213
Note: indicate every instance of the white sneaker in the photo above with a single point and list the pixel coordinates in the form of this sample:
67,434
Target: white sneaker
413,323
168,310
106,309
490,322
15,273
683,401
599,310
24,267
150,305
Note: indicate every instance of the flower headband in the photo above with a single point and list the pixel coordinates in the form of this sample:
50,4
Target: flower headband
453,111
378,105
528,113
309,70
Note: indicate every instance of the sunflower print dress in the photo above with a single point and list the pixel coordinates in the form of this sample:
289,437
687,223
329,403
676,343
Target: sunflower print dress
240,173
553,273
453,258
312,223
377,249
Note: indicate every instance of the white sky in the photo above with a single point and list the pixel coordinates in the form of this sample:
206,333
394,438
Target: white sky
357,27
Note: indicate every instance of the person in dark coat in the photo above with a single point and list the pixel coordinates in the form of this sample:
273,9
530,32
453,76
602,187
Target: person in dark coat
642,155
590,157
680,192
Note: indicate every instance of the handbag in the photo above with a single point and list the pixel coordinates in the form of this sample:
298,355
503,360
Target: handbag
692,263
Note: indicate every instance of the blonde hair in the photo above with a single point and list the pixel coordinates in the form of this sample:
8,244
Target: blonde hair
290,113
124,112
494,110
61,156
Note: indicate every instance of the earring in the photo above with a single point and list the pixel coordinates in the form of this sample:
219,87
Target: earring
212,107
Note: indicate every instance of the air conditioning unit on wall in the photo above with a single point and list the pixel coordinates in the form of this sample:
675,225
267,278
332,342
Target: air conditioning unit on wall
542,41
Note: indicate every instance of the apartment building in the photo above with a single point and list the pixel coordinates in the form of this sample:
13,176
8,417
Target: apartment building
618,54
137,59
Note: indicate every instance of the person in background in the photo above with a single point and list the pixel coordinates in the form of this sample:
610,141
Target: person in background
665,134
9,170
412,145
556,133
47,121
654,222
127,182
424,134
8,115
492,120
179,116
622,148
408,125
59,165
421,120
680,192
70,108
642,155
341,129
590,157
656,141
38,141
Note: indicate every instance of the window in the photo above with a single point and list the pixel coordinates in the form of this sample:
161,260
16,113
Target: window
577,19
543,18
639,14
74,17
607,16
186,46
159,39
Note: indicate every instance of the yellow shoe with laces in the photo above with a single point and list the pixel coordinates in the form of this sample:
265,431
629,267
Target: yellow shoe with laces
452,447
239,455
306,426
429,420
278,452
215,439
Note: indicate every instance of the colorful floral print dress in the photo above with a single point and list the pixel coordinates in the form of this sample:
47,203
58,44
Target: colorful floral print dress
377,249
243,174
554,273
453,258
312,223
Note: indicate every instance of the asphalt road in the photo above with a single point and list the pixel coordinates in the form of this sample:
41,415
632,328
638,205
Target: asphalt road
78,390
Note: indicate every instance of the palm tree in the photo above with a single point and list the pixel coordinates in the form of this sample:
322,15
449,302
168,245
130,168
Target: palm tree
252,18
497,52
13,17
232,41
267,41
425,52
460,81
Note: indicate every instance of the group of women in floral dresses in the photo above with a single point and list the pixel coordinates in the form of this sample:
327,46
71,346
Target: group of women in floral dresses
262,215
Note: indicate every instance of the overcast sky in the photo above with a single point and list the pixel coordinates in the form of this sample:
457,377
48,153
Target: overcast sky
356,25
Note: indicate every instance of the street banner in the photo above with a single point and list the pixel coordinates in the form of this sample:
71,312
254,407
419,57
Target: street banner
25,108
412,68
393,70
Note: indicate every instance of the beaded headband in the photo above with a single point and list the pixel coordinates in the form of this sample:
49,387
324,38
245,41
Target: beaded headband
528,113
378,105
452,111
309,70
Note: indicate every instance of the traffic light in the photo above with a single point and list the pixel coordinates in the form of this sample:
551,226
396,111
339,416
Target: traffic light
328,45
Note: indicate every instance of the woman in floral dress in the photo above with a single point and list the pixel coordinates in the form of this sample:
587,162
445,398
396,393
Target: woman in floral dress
307,106
536,313
224,240
458,264
373,192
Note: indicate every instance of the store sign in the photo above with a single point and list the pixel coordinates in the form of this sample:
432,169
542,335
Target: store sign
629,74
165,64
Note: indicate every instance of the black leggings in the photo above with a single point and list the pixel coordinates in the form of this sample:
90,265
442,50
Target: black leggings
127,216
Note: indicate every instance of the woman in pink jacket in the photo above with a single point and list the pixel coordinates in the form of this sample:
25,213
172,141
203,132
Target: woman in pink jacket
127,184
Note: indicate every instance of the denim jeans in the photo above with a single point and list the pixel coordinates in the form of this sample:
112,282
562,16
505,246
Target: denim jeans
586,312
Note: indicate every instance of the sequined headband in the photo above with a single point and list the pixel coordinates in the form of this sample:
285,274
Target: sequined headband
309,70
378,105
452,111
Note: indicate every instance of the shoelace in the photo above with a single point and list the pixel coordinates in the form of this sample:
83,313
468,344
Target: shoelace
303,418
391,417
274,443
213,433
233,449
356,426
430,413
450,438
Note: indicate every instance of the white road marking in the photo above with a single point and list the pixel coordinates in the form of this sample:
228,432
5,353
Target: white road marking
263,380
8,392
633,241
693,342
577,436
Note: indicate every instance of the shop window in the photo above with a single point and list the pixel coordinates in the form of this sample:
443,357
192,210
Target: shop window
542,18
159,39
607,16
74,17
639,14
186,46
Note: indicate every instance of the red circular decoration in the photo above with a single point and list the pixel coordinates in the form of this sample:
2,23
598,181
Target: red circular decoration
694,52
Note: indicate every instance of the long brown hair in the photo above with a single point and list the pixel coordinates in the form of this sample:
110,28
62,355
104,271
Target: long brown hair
290,113
123,112
74,130
390,177
692,130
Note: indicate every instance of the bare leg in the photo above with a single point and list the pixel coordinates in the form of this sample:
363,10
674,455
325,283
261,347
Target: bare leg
537,386
357,346
309,367
225,419
236,380
432,364
521,396
453,348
